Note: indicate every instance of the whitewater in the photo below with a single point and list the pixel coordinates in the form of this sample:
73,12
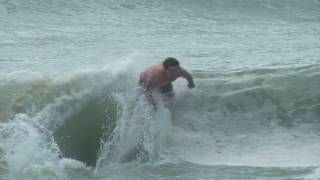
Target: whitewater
71,107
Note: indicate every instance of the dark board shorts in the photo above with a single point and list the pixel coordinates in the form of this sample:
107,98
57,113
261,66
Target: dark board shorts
163,89
166,88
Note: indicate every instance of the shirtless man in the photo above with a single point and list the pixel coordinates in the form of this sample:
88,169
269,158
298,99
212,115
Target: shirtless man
160,77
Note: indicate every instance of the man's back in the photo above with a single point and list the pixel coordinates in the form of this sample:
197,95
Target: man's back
154,77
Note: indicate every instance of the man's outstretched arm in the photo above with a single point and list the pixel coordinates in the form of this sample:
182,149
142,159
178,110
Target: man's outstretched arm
187,75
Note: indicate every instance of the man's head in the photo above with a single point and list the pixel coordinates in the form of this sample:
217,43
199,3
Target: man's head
170,63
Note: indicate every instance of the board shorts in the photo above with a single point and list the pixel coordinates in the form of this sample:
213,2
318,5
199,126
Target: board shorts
166,88
163,89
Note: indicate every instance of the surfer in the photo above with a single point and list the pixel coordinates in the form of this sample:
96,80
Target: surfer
160,77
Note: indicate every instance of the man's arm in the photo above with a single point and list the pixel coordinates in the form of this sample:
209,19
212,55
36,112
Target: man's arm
187,75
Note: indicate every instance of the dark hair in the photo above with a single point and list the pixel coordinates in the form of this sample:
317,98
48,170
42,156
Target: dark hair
170,62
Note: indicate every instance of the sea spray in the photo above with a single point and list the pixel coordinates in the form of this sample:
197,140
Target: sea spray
29,151
140,132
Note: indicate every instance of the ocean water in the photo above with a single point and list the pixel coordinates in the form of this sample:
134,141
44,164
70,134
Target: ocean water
70,107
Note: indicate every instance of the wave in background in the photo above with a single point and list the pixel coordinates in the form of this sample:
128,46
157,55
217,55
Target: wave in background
286,9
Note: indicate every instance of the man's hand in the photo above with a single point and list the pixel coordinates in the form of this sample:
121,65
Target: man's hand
191,85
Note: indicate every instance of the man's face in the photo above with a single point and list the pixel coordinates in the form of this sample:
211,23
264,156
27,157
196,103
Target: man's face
172,69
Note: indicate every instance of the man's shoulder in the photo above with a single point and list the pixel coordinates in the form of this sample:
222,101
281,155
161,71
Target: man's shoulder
155,68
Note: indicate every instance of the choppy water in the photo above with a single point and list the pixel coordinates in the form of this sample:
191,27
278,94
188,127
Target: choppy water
69,107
